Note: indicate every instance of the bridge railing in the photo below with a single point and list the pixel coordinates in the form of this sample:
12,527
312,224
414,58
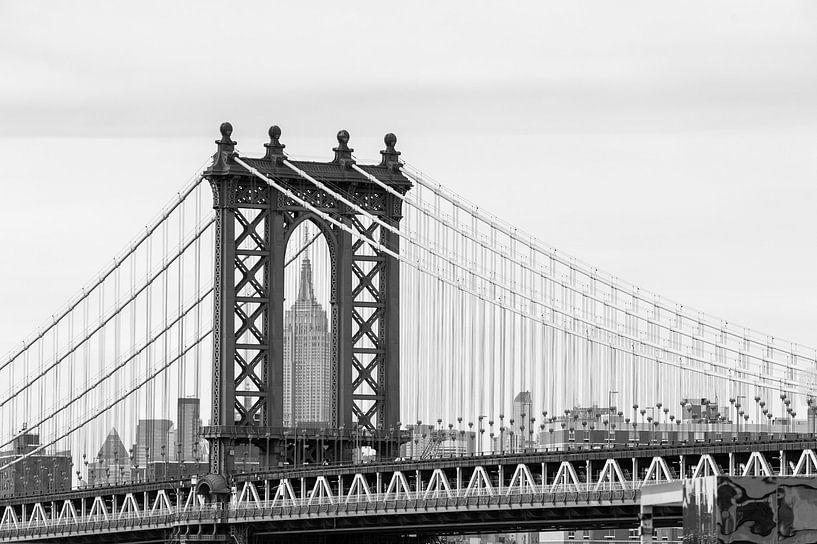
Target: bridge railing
40,522
526,481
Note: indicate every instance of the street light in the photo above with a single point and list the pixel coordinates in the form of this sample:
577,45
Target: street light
501,433
738,410
481,431
610,407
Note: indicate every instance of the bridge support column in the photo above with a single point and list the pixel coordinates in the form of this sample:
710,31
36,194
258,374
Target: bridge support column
645,524
240,534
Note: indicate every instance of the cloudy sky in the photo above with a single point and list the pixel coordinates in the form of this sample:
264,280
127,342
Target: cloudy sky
671,144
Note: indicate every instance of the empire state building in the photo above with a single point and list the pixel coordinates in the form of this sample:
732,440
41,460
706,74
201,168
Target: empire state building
307,363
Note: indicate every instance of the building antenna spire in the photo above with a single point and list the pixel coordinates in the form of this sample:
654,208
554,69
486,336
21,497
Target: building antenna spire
306,239
305,289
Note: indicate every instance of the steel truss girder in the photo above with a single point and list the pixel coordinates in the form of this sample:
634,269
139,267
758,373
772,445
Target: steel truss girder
436,500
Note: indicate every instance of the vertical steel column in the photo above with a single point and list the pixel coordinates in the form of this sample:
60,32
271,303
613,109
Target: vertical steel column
223,316
645,524
244,310
343,343
390,287
274,370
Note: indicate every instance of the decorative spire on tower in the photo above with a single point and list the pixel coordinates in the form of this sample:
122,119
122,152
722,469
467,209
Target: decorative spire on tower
305,290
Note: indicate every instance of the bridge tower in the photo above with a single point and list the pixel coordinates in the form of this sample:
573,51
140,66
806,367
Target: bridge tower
254,222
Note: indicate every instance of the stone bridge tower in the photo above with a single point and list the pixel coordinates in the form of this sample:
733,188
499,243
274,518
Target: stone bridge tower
254,223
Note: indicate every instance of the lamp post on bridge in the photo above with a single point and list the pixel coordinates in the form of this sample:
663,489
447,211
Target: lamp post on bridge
531,427
481,432
501,434
650,418
738,410
610,395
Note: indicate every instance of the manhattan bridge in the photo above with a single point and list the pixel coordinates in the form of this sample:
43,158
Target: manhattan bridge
467,379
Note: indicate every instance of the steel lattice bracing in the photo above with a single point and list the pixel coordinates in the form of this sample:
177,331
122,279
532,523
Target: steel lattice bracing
254,222
374,277
242,308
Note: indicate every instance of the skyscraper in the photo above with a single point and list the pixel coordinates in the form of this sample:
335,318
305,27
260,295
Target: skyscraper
522,412
307,365
111,464
152,441
188,429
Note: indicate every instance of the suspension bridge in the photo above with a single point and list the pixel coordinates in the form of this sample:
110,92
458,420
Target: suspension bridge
374,357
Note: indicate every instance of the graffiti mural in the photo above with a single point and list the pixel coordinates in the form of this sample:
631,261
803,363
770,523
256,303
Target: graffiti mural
750,510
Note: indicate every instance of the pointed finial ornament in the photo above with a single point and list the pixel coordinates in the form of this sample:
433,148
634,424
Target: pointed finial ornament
343,153
391,157
226,130
226,148
275,149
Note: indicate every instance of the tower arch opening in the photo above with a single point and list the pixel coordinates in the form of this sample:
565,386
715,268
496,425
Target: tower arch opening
308,351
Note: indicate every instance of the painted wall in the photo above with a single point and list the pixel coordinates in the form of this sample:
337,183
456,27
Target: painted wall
727,509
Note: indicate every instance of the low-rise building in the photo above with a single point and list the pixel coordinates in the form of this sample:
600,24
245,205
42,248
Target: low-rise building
36,470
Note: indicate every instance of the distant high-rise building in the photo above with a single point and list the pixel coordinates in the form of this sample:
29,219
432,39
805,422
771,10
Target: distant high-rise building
520,434
307,365
38,472
152,440
704,411
112,464
421,439
188,429
429,442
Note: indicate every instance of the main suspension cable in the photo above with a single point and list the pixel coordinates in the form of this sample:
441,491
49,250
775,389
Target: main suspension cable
520,262
499,303
117,262
76,397
87,418
88,333
415,175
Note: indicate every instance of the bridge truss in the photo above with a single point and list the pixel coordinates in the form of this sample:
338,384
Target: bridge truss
547,491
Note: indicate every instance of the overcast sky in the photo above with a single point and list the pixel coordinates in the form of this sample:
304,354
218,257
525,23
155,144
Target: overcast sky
671,144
